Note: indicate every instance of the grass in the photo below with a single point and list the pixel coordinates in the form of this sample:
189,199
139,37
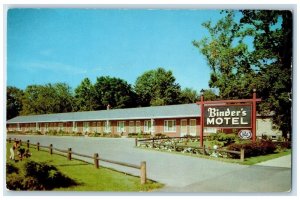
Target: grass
87,176
258,159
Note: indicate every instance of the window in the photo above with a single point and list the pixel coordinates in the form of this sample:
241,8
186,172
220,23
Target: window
131,127
170,126
138,126
147,126
121,127
86,127
193,127
107,128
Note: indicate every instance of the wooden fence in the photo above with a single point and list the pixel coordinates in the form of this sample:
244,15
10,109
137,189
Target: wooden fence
175,146
96,158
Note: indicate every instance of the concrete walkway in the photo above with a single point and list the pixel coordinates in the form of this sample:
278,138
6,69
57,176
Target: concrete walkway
284,161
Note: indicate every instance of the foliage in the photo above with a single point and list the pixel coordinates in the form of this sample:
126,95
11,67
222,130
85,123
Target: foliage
188,95
114,92
85,96
139,135
44,99
252,149
157,87
209,95
13,102
38,176
237,67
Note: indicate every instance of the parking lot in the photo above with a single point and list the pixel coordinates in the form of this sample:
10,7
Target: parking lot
179,173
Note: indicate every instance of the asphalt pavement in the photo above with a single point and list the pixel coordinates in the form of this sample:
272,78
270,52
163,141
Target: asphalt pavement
179,173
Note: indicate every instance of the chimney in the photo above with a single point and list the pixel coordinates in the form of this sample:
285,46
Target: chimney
108,107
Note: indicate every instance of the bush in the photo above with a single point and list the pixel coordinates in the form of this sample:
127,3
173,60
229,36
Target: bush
37,176
254,149
160,135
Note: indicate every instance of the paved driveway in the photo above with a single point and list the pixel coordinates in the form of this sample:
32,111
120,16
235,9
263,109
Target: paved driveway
178,172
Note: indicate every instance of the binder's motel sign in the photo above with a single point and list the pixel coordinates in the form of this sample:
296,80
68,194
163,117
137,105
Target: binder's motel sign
228,116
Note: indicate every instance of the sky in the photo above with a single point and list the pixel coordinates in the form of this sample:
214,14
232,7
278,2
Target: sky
68,45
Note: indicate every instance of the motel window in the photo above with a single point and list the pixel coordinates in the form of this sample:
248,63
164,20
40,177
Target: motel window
121,127
107,128
192,127
138,126
170,126
131,127
86,127
210,130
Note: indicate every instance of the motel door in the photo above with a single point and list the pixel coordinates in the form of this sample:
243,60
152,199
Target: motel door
183,127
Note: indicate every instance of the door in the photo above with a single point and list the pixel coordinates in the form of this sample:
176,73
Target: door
183,127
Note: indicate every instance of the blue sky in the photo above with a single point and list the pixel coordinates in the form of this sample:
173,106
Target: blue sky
67,45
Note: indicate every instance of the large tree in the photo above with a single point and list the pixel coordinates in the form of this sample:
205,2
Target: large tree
44,99
85,96
13,101
114,92
188,95
157,87
252,51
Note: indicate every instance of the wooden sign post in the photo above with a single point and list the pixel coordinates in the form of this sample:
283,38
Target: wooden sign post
240,114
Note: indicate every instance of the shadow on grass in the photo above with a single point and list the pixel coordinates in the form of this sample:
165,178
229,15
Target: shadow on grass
37,176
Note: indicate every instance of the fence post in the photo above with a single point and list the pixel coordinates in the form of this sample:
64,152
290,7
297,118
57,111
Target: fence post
20,142
51,149
143,172
38,146
135,141
174,146
242,155
69,153
96,160
28,144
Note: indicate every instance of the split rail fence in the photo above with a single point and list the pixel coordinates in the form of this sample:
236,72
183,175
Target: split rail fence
96,158
204,150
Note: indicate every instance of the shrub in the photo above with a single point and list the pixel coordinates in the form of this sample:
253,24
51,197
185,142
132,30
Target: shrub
160,135
38,176
253,149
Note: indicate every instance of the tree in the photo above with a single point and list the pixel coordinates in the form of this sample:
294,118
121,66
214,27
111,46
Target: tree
188,95
85,96
114,92
13,102
237,68
157,87
209,95
44,99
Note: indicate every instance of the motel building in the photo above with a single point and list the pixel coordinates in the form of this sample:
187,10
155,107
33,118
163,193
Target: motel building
171,120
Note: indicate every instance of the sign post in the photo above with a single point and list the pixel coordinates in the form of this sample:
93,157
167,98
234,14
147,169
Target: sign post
237,114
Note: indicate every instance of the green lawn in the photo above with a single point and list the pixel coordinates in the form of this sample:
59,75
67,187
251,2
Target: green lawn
87,176
258,159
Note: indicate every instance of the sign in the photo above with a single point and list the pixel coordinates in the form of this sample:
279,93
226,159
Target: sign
228,116
245,134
